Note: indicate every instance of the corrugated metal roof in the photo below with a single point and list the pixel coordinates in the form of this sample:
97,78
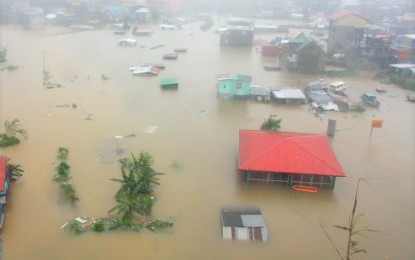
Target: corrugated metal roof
285,152
288,93
232,217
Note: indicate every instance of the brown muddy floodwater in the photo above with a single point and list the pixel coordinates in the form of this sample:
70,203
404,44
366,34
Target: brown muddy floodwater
191,128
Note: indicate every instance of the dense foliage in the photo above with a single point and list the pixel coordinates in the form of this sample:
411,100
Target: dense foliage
13,131
271,124
135,200
62,177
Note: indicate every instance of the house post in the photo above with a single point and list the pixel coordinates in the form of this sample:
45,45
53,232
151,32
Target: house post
290,180
333,182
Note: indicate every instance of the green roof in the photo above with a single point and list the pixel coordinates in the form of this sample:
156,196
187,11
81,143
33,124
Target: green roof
169,81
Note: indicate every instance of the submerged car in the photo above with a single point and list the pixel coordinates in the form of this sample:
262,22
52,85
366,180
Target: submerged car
370,99
411,97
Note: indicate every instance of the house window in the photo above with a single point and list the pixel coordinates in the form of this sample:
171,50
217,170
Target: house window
239,85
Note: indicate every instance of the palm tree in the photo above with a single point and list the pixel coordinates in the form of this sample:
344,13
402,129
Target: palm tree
135,194
271,124
15,170
9,138
13,128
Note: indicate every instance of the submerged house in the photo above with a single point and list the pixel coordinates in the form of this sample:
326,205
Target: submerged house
287,158
238,32
231,86
302,54
345,29
33,18
245,223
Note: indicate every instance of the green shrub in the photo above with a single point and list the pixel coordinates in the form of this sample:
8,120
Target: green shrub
98,226
6,140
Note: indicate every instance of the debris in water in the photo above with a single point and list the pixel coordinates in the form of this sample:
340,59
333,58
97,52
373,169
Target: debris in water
124,136
63,105
49,114
158,46
150,129
203,112
176,165
103,77
110,150
88,117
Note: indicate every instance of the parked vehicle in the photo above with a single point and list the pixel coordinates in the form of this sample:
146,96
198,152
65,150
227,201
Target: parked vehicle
380,90
370,99
338,86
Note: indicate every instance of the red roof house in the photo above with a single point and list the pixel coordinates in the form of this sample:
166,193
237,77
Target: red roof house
288,158
3,175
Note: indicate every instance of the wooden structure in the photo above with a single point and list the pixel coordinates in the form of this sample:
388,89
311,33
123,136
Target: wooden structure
287,158
238,32
302,54
169,83
270,50
259,93
345,28
233,85
245,223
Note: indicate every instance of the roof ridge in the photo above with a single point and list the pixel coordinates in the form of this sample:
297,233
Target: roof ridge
292,139
314,156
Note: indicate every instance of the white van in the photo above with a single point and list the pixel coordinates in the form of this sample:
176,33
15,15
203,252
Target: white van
338,86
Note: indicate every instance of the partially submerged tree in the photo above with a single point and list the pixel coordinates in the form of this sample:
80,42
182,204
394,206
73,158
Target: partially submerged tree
353,230
67,191
271,124
13,131
14,169
136,192
135,200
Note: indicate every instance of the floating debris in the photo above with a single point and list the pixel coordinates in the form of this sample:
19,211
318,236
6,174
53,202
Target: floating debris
10,68
103,77
63,105
150,129
203,113
176,165
158,46
110,150
88,117
124,136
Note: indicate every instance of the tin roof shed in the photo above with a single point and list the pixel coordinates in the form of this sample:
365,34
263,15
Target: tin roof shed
245,223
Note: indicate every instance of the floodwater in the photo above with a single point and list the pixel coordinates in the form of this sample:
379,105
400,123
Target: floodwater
193,137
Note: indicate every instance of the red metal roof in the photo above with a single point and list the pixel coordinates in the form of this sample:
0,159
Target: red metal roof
3,163
285,152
